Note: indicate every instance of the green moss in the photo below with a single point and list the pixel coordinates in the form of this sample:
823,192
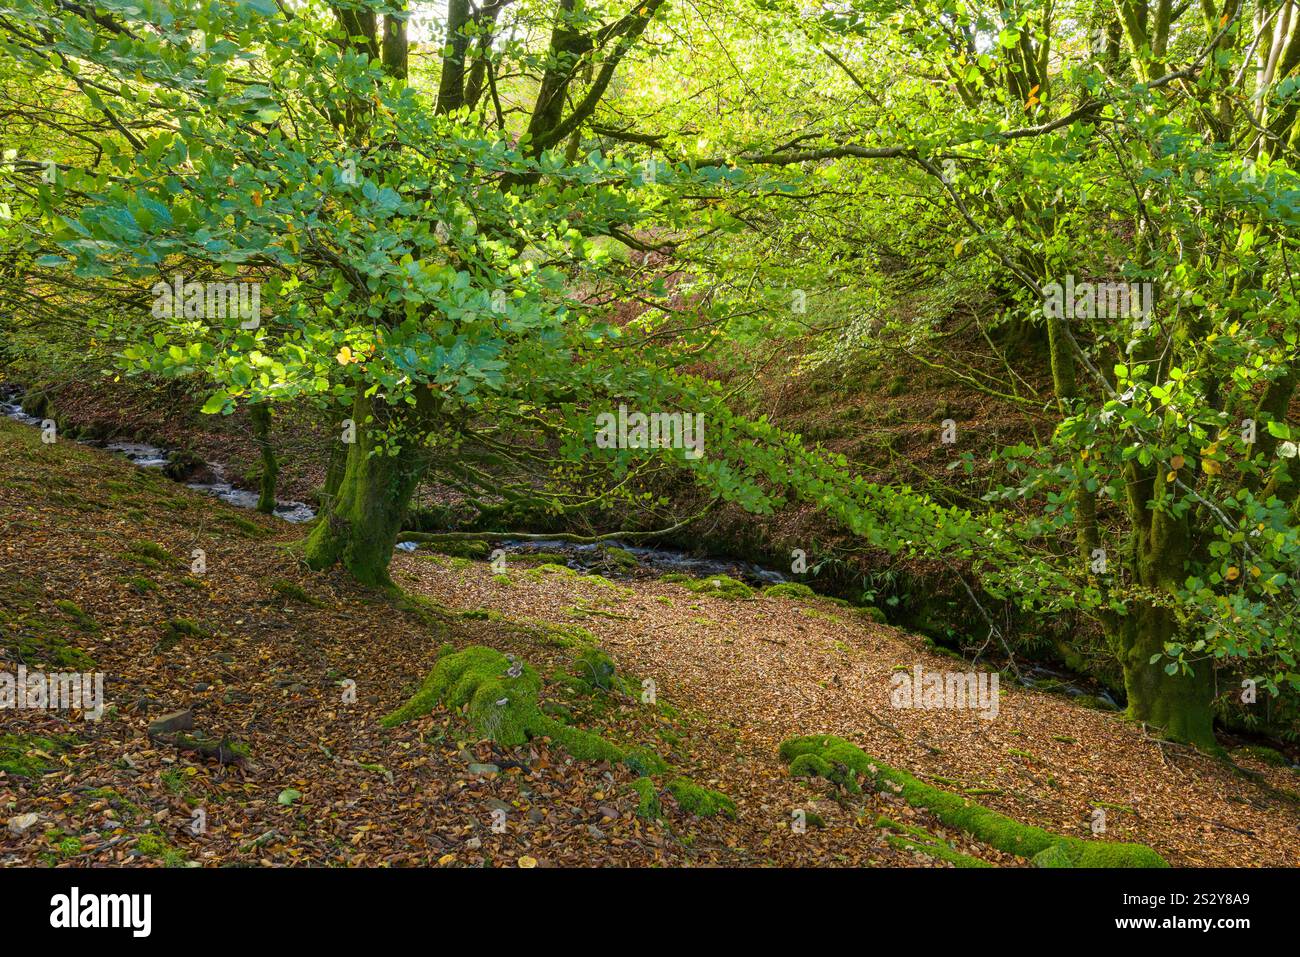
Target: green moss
821,615
648,804
240,524
789,590
537,573
30,755
938,851
37,641
482,614
583,745
620,558
917,839
152,845
505,708
838,760
874,614
645,762
719,586
596,668
1266,754
177,630
139,584
73,611
294,592
561,636
150,554
502,707
701,801
539,558
475,549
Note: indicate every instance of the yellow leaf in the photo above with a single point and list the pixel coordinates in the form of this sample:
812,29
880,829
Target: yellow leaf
1177,462
1254,570
1171,476
1232,573
527,862
344,356
446,859
1210,466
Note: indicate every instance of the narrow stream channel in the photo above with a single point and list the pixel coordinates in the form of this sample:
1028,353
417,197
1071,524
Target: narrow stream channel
654,561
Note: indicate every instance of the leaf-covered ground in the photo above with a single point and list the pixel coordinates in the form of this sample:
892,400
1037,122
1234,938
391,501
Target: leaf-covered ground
95,562
771,668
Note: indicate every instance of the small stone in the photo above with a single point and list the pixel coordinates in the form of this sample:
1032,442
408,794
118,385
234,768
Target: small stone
536,816
608,812
497,804
22,822
473,844
170,723
484,769
202,686
596,832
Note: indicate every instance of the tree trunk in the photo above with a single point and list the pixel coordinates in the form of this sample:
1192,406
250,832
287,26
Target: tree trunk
358,527
261,415
1179,704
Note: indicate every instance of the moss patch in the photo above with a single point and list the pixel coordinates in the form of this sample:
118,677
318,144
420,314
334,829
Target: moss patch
917,839
841,762
701,801
648,804
292,592
177,630
719,586
30,755
499,696
789,590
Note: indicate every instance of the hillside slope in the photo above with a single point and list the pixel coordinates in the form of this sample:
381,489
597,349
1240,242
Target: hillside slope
95,575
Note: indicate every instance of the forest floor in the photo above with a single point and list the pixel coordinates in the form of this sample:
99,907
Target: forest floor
95,575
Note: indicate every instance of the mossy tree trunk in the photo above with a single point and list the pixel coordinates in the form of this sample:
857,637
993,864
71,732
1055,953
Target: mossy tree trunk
1178,703
358,526
261,416
338,462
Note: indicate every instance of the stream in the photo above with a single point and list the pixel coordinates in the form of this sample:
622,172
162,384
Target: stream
148,456
657,561
579,557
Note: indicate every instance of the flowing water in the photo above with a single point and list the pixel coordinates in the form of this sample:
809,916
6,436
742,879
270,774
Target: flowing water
580,557
148,456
